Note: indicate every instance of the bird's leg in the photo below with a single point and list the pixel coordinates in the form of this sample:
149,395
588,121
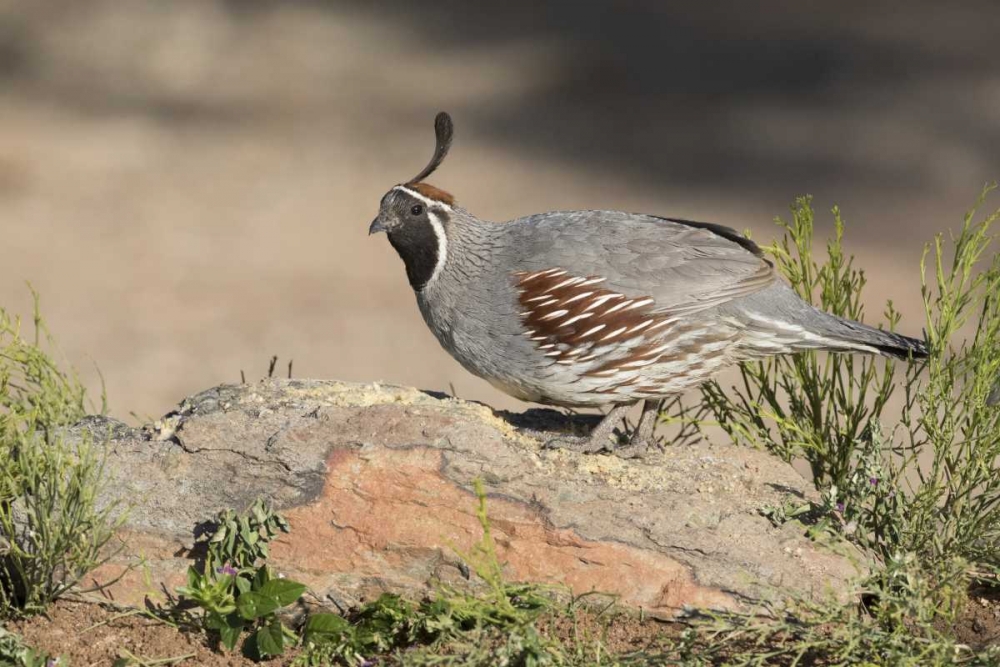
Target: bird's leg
600,437
642,436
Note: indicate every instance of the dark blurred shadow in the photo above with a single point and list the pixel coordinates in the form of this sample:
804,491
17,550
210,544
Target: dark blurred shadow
668,92
659,90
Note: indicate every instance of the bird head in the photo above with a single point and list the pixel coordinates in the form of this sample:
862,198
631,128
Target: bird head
414,215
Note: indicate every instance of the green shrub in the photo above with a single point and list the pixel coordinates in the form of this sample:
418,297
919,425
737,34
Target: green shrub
917,489
927,483
52,528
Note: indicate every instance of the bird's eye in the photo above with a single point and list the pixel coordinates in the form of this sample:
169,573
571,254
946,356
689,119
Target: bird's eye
417,209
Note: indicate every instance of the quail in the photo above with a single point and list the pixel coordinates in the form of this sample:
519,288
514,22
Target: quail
600,308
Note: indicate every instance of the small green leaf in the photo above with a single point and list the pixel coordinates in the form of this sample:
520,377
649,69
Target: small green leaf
230,635
253,605
193,577
282,591
325,626
243,585
215,621
270,639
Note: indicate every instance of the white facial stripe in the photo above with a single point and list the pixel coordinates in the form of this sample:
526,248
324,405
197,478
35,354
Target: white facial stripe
426,200
442,240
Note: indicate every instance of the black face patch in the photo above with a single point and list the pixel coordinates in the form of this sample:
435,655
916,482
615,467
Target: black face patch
415,240
417,247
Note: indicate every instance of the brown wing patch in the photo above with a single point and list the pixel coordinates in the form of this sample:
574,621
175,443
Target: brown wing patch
611,336
431,192
570,317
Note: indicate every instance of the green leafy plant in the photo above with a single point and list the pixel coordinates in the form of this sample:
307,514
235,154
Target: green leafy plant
237,592
53,526
240,540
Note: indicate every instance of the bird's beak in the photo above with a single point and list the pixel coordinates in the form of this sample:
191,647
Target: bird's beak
376,226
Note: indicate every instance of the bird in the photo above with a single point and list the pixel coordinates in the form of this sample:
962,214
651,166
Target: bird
601,309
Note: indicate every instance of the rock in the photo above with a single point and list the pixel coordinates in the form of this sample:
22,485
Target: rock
376,482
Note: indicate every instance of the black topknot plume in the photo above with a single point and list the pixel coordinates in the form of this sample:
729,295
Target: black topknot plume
443,130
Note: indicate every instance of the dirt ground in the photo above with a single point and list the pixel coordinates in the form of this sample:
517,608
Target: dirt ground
91,636
88,635
978,623
188,184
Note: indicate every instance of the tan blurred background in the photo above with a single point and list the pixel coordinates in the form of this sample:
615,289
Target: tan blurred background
188,183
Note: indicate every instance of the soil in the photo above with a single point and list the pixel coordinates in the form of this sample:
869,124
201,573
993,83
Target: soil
978,624
89,635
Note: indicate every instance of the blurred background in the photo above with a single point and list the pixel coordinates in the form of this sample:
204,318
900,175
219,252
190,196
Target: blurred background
189,183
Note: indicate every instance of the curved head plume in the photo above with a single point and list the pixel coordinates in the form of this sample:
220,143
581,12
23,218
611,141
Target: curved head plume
443,130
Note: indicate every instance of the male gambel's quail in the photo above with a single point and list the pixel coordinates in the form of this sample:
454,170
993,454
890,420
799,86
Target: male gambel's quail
600,308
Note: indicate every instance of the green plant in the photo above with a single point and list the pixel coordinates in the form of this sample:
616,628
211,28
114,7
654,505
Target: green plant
240,540
53,526
921,497
236,591
929,485
953,505
14,653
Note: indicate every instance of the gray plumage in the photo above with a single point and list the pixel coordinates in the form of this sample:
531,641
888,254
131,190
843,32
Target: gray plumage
601,308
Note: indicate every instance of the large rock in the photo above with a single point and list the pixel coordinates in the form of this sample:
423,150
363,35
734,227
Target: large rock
376,483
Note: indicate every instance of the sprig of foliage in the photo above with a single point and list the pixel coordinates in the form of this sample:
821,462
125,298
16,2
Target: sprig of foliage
954,502
53,526
240,540
931,485
236,590
237,602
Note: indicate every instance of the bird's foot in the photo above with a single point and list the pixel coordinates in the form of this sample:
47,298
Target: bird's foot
636,449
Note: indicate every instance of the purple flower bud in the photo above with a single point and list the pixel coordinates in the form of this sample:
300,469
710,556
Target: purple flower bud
52,662
873,481
227,569
840,507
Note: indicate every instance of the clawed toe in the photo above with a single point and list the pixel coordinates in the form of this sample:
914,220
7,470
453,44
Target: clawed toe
636,449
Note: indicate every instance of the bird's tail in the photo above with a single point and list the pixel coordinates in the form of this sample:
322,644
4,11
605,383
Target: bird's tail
797,325
859,337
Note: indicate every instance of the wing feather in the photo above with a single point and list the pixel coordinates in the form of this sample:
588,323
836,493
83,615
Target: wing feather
685,266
